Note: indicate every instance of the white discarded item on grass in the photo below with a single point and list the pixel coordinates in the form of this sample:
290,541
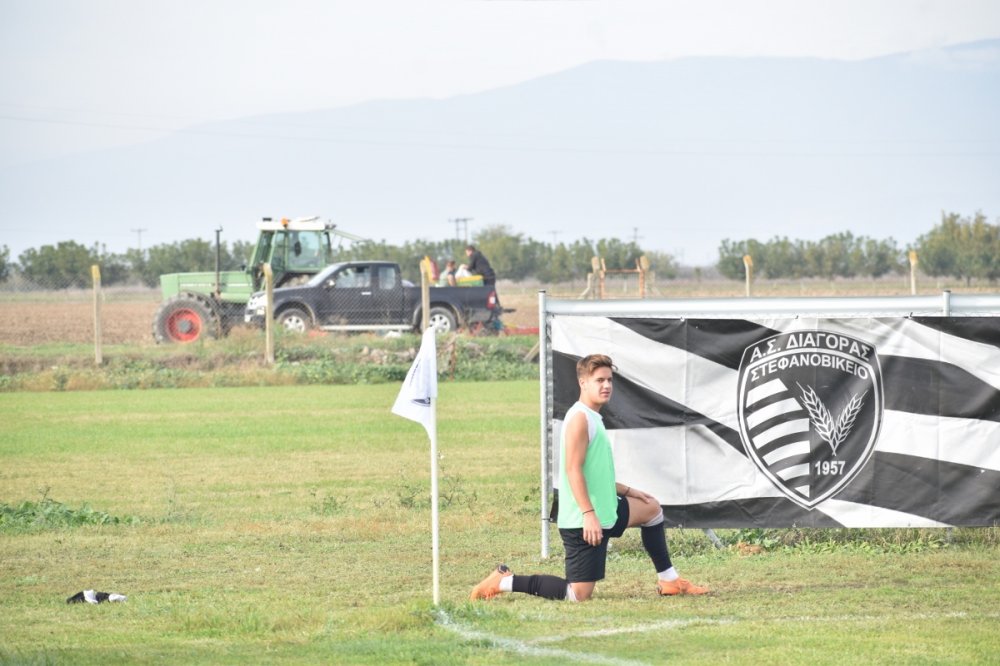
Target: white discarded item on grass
92,597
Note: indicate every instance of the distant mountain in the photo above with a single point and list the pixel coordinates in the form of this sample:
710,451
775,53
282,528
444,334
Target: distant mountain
680,153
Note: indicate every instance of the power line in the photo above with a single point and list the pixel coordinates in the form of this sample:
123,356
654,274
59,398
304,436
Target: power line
138,232
463,224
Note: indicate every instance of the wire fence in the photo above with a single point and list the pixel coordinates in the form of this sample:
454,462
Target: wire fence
34,314
50,315
62,313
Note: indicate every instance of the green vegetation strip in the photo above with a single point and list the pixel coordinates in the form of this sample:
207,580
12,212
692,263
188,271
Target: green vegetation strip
239,361
291,525
47,513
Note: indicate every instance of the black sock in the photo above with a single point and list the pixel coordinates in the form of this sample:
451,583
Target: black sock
540,585
654,540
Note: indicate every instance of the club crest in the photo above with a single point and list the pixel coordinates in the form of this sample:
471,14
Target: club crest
810,410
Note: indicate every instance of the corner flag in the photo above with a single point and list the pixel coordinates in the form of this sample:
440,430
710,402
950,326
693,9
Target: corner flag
416,402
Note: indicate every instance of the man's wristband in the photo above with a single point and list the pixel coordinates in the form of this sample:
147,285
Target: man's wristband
588,511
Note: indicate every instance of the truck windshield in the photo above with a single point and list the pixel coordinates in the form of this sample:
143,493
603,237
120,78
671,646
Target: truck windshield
323,275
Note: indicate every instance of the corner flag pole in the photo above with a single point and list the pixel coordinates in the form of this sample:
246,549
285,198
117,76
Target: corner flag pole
435,523
425,280
417,401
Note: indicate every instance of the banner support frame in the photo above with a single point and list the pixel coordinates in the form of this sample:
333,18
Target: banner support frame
545,390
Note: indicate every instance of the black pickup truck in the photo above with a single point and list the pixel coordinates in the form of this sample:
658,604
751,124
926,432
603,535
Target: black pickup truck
371,296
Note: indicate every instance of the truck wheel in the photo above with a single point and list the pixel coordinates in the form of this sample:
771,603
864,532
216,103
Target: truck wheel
185,318
295,320
442,320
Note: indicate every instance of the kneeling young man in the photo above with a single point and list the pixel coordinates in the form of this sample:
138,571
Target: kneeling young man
593,508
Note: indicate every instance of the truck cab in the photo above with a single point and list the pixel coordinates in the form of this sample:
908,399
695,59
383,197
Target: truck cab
371,296
368,293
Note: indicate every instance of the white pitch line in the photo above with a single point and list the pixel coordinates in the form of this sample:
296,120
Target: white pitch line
634,629
682,624
532,647
520,647
953,615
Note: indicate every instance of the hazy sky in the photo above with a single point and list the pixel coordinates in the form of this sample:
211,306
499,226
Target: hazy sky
85,73
81,75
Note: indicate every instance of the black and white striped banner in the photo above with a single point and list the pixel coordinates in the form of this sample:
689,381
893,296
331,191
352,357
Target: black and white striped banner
811,422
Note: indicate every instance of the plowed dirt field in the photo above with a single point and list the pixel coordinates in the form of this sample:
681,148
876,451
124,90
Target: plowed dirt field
28,323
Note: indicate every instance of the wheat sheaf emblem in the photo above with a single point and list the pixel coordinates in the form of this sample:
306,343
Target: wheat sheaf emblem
832,432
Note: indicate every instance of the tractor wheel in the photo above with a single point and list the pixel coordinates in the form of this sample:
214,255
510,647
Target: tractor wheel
442,320
295,320
186,318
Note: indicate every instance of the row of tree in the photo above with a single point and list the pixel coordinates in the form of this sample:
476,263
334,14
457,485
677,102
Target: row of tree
515,257
962,247
837,255
67,264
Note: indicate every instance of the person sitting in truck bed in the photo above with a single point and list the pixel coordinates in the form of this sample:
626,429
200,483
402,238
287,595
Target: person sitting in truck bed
478,265
447,278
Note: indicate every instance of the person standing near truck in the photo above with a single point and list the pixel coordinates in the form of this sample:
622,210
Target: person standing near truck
593,506
478,265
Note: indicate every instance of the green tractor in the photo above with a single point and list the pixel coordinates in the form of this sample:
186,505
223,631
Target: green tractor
207,305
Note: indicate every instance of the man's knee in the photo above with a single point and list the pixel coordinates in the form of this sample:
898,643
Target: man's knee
642,513
655,517
582,591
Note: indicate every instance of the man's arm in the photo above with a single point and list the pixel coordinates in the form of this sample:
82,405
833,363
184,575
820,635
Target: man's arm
628,491
577,441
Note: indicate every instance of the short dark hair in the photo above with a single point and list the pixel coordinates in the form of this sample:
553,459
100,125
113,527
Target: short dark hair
470,247
588,365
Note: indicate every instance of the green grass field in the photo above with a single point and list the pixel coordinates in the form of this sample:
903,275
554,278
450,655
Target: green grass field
292,525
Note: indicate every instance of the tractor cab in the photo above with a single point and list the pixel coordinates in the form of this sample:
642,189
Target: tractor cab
296,250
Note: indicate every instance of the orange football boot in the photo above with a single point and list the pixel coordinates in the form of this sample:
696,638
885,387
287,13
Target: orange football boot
490,586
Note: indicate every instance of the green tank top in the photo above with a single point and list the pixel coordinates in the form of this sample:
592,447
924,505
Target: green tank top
598,471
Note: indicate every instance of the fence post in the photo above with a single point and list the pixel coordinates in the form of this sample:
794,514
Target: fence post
913,272
642,265
268,315
95,274
425,293
748,265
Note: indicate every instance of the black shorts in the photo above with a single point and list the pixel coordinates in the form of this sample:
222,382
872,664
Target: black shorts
585,563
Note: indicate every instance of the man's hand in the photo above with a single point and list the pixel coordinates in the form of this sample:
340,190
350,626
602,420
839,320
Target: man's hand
592,530
640,495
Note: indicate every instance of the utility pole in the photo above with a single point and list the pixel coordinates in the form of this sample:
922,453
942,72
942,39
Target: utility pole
138,232
555,237
463,224
635,235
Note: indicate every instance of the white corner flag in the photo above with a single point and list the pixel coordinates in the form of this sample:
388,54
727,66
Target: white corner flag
417,401
414,401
